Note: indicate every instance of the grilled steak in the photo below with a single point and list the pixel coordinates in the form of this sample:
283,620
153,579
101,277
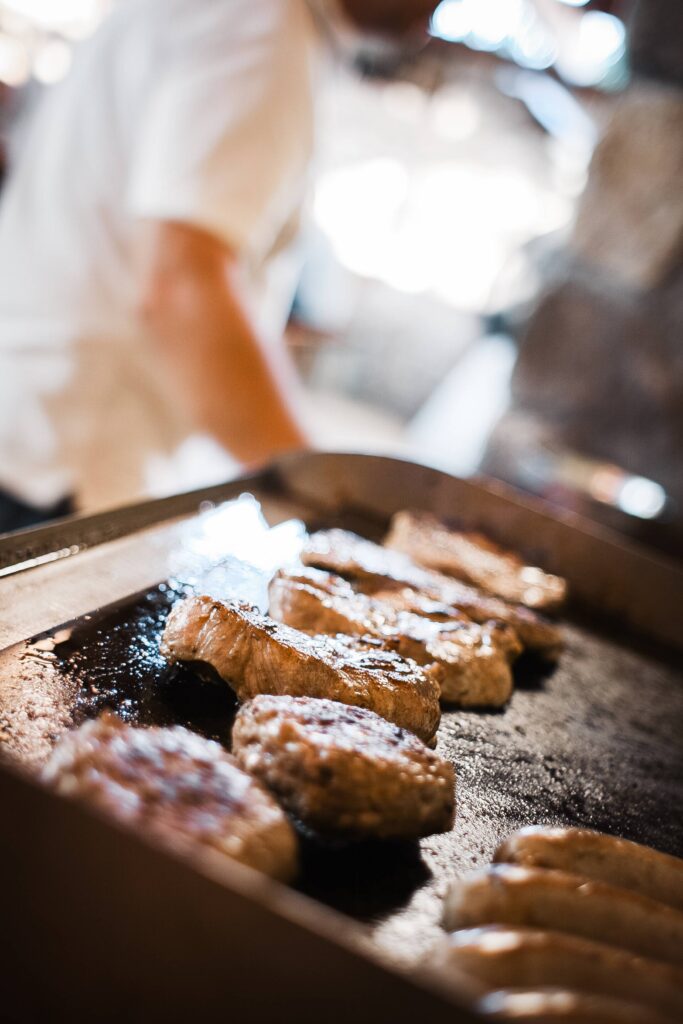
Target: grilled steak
375,568
473,660
474,559
175,785
534,633
344,771
255,655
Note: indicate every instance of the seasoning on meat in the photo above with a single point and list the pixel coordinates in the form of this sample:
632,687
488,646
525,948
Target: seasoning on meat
473,659
177,786
344,771
255,654
474,559
374,568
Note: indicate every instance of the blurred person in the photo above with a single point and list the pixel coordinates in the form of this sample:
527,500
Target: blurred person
144,237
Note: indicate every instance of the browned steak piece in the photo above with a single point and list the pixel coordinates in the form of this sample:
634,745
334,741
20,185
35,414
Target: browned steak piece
177,786
321,602
474,559
345,771
255,654
473,660
374,568
535,633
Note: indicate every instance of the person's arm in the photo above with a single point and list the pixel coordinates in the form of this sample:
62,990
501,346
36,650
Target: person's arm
233,385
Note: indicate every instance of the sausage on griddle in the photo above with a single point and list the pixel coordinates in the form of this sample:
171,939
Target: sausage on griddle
558,901
501,957
598,856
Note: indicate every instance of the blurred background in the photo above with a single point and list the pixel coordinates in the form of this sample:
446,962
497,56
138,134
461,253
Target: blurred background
492,245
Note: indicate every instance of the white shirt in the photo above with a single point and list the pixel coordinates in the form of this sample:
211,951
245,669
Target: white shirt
197,111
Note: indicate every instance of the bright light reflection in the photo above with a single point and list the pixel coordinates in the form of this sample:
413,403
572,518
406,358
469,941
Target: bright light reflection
231,552
511,1004
489,939
601,37
52,15
451,20
484,24
600,44
635,495
239,528
509,26
446,229
641,497
52,61
15,66
533,49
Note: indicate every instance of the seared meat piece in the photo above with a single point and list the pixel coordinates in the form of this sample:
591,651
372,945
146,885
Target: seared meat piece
474,559
345,771
377,568
175,785
473,660
321,602
255,654
535,633
354,557
564,902
503,957
602,858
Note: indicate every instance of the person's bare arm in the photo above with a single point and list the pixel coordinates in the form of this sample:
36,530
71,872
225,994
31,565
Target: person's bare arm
233,385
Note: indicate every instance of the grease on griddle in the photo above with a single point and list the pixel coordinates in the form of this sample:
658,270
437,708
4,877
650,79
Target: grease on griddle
114,658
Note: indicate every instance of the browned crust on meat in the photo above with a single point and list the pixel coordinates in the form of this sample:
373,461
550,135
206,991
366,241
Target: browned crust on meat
501,957
255,654
474,559
656,875
177,786
571,903
374,568
344,771
473,659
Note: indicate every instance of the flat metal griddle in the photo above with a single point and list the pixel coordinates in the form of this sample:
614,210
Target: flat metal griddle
593,741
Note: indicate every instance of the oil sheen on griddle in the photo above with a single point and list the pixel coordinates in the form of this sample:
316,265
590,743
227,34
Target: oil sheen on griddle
115,658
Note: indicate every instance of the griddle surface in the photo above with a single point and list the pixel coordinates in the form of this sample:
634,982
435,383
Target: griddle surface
595,741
